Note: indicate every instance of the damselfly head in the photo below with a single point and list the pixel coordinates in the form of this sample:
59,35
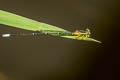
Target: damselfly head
88,31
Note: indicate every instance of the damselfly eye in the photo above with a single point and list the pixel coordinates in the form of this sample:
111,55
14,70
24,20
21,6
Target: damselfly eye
88,31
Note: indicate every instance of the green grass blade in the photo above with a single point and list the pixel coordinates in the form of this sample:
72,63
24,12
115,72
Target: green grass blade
82,38
17,21
21,22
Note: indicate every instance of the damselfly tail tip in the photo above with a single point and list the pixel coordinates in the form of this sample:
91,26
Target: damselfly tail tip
6,35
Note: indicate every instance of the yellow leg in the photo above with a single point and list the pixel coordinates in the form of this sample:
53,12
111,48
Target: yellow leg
86,36
77,36
83,36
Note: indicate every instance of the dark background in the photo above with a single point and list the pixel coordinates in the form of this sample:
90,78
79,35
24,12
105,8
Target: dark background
54,58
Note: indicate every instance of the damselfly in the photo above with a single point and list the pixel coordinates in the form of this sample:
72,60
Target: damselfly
78,33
